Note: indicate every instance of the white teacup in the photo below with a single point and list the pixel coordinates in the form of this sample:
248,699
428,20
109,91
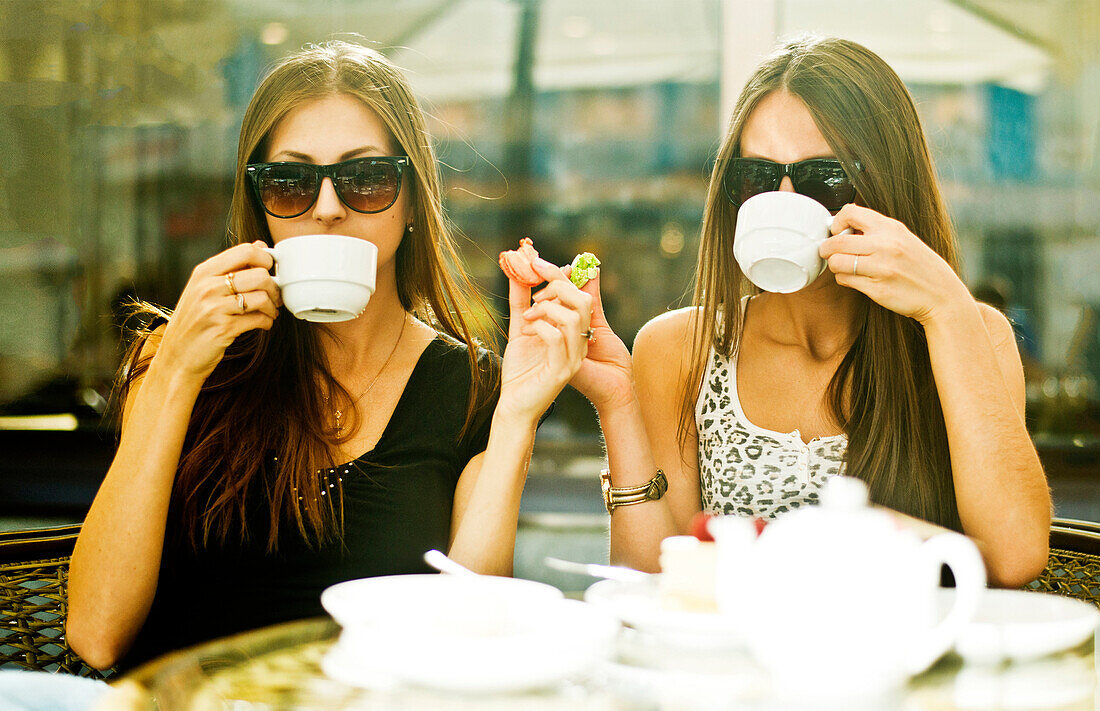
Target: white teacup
777,238
325,278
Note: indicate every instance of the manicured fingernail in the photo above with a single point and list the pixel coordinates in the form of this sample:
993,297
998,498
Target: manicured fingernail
544,264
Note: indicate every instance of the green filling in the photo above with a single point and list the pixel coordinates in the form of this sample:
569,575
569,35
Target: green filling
584,268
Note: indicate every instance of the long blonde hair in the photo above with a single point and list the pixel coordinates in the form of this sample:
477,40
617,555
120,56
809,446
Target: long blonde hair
283,370
883,392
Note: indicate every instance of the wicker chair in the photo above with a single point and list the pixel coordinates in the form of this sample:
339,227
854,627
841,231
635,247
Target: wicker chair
1074,565
34,572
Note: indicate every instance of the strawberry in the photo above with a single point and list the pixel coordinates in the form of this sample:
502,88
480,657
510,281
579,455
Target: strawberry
699,526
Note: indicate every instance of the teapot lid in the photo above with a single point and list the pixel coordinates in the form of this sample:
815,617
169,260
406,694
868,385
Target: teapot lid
844,493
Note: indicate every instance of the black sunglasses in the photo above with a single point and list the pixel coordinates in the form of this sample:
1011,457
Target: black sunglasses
366,185
823,179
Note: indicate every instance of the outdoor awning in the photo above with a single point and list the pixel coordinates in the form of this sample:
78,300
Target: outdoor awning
468,50
455,49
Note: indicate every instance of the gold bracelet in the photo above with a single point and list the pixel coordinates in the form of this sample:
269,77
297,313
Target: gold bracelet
614,496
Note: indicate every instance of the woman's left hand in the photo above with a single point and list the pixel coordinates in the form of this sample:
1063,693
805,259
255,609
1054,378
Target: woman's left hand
547,342
890,264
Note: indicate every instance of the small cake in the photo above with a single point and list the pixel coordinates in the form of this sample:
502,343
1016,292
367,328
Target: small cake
516,264
688,567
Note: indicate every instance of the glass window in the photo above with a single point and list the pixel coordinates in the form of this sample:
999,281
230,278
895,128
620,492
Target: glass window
1008,95
585,125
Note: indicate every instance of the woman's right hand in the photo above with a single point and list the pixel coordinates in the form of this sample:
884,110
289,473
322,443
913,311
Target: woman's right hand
116,562
228,294
606,376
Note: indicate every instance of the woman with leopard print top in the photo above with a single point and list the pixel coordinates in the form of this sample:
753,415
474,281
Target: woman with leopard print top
884,368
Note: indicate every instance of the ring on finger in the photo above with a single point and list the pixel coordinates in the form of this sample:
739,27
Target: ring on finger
855,265
229,283
588,334
240,301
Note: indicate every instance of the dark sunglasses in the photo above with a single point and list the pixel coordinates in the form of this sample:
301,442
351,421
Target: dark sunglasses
823,179
363,184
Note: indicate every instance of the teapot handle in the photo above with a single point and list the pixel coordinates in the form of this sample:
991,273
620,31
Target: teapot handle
961,555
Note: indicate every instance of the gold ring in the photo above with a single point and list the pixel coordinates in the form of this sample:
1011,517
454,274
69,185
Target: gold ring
240,301
588,335
855,265
229,283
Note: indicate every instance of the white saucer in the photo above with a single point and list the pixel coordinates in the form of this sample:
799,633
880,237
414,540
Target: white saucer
637,604
1020,625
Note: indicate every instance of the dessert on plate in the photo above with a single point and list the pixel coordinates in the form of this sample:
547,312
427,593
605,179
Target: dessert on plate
688,567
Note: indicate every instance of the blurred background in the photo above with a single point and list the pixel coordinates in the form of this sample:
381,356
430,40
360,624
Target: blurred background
585,125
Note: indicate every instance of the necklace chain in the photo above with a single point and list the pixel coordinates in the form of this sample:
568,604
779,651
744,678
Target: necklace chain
339,414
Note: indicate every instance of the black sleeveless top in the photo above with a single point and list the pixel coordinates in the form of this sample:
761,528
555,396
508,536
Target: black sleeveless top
397,505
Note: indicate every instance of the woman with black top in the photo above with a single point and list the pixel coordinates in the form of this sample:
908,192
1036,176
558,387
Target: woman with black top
263,458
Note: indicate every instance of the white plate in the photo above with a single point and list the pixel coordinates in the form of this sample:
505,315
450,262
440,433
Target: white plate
469,634
638,605
650,688
354,669
1019,625
1056,682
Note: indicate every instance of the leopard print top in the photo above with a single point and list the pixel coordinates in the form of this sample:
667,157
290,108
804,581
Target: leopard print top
747,470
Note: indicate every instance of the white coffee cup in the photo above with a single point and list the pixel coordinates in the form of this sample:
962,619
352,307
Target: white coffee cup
777,238
325,278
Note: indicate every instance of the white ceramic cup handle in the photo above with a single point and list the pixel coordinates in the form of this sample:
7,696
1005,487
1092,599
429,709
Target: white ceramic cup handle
828,231
275,276
961,555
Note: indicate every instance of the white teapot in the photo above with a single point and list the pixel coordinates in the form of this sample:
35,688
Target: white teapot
840,600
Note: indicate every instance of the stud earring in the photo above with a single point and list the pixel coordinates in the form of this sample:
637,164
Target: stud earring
409,229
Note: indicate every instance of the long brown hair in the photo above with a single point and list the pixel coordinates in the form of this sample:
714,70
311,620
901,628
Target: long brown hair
883,392
267,396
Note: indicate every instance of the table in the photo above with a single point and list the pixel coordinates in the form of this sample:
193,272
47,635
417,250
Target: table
279,668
